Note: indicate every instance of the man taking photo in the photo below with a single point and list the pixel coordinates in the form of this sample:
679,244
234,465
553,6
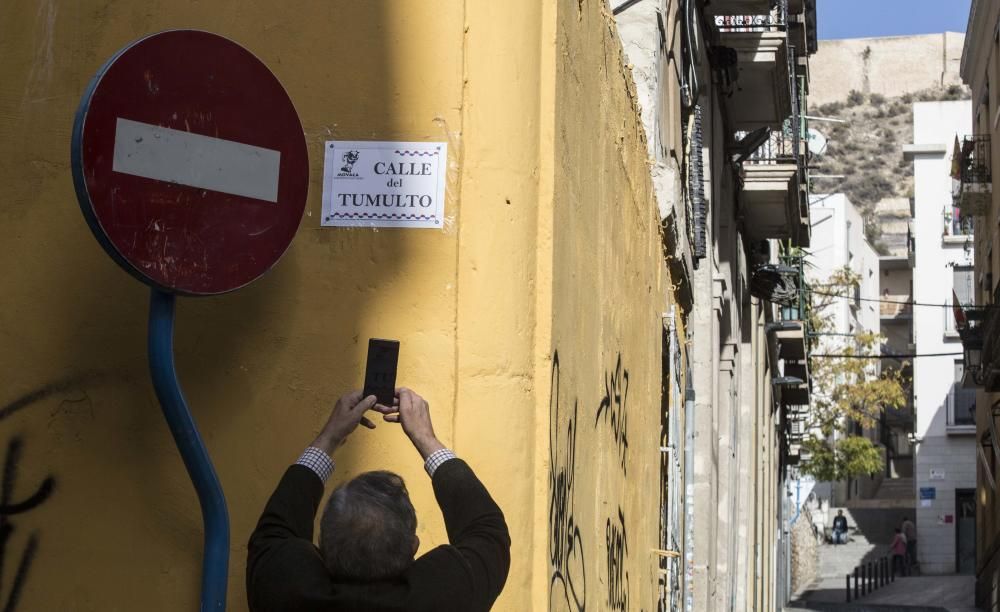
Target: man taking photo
365,559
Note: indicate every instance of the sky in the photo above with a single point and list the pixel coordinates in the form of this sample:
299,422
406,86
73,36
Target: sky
867,18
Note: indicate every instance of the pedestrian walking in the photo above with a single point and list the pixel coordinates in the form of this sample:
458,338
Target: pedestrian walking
898,550
910,531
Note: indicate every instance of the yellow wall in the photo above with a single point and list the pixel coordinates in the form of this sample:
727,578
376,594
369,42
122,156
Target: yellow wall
609,296
553,246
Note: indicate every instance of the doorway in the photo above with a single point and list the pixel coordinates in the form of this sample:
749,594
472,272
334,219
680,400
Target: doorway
965,531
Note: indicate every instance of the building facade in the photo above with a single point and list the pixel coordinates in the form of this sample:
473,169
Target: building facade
973,187
744,194
944,459
896,327
839,244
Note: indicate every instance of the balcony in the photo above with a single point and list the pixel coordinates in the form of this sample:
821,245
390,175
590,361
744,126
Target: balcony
762,66
774,198
972,175
980,345
783,285
896,307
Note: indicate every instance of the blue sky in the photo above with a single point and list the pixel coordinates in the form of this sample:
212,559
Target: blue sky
865,18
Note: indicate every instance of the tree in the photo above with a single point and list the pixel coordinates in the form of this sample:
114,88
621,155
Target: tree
846,390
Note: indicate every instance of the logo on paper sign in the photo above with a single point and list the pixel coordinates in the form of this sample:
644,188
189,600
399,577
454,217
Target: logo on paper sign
350,158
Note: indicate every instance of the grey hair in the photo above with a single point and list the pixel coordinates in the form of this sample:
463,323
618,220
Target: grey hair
368,528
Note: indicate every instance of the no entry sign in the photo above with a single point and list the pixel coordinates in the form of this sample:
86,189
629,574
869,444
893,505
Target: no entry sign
190,162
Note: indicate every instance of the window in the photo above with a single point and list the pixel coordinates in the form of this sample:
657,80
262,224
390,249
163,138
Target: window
955,224
961,402
964,286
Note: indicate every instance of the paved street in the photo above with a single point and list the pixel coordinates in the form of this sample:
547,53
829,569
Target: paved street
912,594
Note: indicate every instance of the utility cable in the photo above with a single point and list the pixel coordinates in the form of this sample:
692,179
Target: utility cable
902,302
887,356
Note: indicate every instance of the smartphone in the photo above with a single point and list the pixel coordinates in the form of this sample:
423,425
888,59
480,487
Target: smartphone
380,373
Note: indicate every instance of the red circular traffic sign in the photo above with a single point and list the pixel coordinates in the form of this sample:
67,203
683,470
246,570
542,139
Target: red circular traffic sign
190,162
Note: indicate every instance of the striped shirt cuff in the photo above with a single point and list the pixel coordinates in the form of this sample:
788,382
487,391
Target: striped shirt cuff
317,461
435,460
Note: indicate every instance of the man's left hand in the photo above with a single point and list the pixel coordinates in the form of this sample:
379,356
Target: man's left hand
348,412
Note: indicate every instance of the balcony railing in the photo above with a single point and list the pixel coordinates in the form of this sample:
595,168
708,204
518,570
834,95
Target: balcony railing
781,147
796,309
978,333
773,22
972,172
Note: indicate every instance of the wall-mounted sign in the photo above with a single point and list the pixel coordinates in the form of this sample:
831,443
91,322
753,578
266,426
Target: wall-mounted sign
384,184
937,474
928,492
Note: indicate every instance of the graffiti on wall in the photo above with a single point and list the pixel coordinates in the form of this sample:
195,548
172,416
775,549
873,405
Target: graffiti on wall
566,555
614,409
13,507
617,549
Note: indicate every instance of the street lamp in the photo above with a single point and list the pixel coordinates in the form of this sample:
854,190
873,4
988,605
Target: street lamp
973,357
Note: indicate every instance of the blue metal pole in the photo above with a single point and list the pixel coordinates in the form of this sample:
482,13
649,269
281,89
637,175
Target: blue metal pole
215,567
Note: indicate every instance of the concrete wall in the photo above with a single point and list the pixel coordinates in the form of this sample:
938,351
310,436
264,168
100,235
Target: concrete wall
956,459
937,123
552,248
891,66
805,552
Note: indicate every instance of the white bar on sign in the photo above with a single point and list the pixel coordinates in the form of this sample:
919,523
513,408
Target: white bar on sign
194,160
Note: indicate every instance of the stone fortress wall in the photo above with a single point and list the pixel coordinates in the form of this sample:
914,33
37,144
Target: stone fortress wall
890,66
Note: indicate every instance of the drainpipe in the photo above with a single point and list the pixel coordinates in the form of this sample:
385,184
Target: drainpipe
689,494
798,503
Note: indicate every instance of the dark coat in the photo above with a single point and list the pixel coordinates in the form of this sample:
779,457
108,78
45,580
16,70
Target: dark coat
285,572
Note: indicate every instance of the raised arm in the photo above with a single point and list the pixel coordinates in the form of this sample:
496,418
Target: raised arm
477,532
283,566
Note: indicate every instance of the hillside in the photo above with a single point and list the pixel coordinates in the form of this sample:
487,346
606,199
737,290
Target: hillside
863,157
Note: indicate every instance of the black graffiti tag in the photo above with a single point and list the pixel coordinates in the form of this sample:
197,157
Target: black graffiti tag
614,408
617,547
566,555
11,506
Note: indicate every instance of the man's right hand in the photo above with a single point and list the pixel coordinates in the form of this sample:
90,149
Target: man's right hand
413,413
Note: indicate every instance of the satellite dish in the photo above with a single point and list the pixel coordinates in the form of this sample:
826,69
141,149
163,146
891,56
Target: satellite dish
817,142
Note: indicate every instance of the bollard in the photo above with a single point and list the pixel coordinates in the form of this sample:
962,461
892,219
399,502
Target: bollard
848,588
855,582
879,569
